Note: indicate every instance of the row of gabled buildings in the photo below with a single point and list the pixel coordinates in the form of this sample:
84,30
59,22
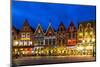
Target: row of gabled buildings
28,39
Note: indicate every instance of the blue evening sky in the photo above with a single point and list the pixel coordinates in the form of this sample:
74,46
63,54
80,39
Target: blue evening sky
45,13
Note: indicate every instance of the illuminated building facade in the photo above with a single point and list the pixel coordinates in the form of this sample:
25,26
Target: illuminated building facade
39,36
39,41
86,32
24,43
50,37
71,35
70,41
86,36
61,35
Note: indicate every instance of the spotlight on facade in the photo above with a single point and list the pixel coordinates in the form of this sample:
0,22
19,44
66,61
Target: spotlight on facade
93,40
80,48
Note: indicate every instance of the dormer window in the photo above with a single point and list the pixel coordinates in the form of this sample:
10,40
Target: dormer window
49,33
39,31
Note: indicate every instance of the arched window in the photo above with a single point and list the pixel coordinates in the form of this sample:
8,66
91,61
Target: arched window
80,27
89,26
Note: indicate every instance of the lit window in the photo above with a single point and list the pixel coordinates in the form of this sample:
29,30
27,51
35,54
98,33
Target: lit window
80,27
46,41
89,25
22,35
86,33
20,43
15,43
30,42
21,49
16,50
25,43
28,35
39,31
91,33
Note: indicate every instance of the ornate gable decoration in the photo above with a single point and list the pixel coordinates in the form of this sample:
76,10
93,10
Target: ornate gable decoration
71,27
61,28
26,27
39,30
50,31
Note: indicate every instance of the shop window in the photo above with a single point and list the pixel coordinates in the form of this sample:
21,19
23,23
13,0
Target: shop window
15,43
20,43
25,43
30,42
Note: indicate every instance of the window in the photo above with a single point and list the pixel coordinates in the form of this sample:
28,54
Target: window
74,35
46,41
50,42
69,35
39,31
89,25
53,41
72,28
63,41
80,27
49,33
27,35
30,42
15,43
20,43
59,41
25,43
41,42
22,35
